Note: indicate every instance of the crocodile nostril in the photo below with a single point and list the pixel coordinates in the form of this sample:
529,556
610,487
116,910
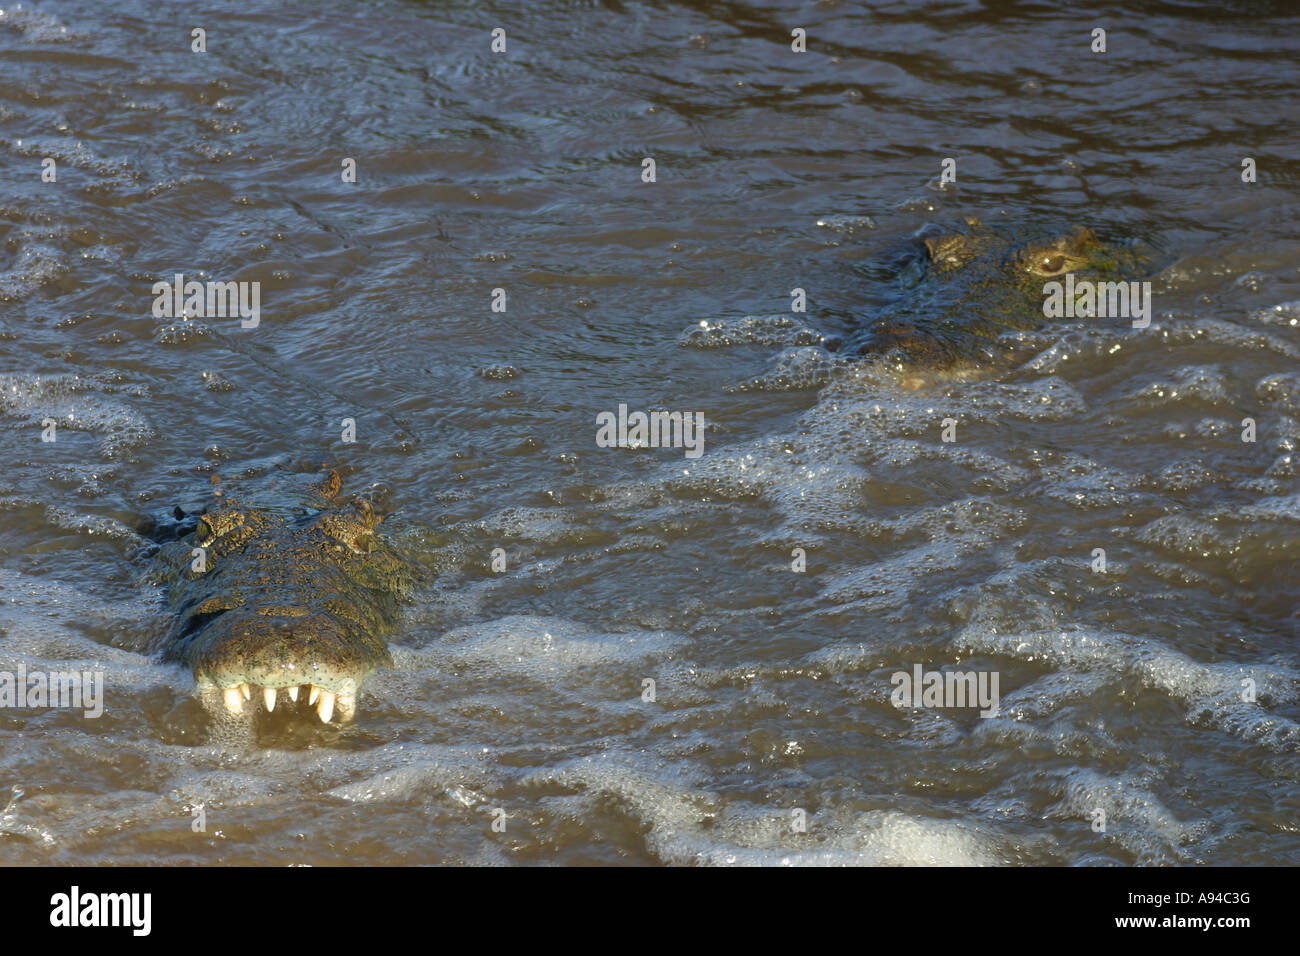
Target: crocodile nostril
199,620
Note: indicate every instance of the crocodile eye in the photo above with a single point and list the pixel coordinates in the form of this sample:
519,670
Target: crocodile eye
1052,264
215,524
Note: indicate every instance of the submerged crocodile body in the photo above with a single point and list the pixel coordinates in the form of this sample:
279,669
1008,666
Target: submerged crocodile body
969,286
284,592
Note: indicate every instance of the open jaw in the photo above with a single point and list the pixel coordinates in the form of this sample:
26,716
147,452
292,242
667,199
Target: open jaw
269,655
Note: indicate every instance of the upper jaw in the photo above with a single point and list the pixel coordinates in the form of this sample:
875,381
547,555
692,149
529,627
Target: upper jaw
235,695
261,661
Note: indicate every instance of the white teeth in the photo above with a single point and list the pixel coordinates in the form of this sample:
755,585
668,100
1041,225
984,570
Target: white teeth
231,697
347,706
327,703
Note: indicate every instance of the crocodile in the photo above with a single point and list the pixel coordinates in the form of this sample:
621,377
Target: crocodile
285,592
970,285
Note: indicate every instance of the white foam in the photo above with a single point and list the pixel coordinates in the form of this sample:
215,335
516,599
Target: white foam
35,265
1210,693
1134,817
35,25
766,330
546,649
688,825
77,403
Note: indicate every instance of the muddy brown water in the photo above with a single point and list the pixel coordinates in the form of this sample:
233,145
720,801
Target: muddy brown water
1161,696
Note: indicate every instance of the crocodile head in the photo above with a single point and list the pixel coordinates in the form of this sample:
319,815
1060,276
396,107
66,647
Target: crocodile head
289,598
972,284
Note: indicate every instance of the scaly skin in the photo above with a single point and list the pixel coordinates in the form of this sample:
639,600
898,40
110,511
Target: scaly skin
295,594
971,286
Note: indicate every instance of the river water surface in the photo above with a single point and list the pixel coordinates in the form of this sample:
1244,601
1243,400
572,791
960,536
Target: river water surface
1125,695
